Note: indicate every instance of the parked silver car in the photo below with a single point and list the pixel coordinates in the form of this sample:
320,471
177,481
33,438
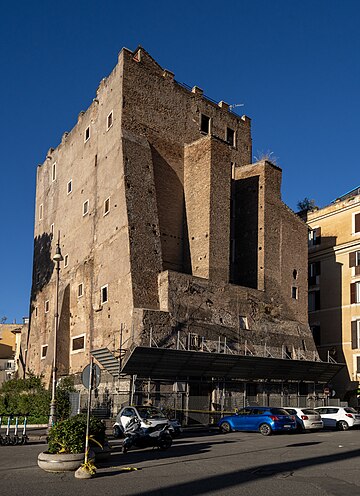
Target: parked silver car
306,418
339,417
149,416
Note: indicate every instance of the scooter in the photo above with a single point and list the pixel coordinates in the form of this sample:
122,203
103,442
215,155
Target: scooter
24,438
7,439
140,437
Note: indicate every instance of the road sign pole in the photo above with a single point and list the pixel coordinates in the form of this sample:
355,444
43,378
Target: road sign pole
89,409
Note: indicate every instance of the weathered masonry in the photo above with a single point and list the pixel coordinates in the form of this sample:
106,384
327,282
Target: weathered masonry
171,238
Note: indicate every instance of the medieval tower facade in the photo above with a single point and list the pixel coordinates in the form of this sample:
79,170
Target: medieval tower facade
167,229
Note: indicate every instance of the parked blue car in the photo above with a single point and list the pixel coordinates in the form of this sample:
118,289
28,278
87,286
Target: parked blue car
263,419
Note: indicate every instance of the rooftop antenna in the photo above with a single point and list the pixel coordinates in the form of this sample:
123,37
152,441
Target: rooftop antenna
234,105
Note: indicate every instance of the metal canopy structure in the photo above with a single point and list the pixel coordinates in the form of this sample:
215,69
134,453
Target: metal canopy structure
176,364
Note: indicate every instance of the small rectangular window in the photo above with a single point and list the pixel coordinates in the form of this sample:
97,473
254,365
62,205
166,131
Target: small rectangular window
47,306
355,334
243,323
294,292
357,223
314,273
104,294
230,136
36,311
314,301
66,260
80,290
69,187
52,230
315,236
355,292
44,349
205,124
87,133
41,211
53,171
109,120
85,207
78,343
106,206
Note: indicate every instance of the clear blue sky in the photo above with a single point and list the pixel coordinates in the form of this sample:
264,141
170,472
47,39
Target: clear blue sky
294,64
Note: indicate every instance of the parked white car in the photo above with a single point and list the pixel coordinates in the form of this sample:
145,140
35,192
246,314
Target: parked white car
306,418
149,416
339,417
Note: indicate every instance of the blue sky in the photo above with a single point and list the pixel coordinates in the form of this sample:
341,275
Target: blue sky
294,65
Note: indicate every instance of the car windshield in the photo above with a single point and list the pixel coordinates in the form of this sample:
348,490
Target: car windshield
278,411
349,409
150,412
309,411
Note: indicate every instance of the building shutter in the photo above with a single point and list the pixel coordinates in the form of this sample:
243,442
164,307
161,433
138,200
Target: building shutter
357,223
352,259
354,340
317,268
357,365
317,300
318,235
353,293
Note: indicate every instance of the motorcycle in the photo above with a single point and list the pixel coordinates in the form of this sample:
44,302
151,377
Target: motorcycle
141,437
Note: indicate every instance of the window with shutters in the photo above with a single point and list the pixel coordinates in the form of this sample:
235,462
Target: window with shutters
315,236
355,292
314,273
358,365
355,334
354,262
314,301
357,223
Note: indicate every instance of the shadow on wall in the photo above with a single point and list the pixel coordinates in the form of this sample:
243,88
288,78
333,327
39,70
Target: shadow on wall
170,205
43,267
43,264
327,326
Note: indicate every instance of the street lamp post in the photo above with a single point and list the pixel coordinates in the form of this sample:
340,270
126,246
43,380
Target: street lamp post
57,259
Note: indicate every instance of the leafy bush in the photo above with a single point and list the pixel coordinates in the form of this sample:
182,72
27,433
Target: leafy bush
63,405
68,436
25,396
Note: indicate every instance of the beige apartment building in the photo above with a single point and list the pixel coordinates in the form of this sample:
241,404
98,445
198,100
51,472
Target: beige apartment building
334,288
181,262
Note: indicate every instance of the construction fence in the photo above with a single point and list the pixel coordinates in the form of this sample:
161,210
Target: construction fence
198,403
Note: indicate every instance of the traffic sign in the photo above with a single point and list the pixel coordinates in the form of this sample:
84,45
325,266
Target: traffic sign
327,391
85,376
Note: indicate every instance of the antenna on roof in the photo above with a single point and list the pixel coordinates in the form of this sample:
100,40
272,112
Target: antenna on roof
234,105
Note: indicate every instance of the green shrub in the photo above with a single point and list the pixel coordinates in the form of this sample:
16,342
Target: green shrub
68,436
25,396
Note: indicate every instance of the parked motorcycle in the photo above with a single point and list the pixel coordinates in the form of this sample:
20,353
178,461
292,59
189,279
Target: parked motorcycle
141,437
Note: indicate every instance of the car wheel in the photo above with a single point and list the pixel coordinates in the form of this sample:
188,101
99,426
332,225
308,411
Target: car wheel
265,429
342,425
225,427
165,443
117,432
300,429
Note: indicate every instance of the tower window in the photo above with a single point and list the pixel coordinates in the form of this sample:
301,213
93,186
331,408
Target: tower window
85,207
44,349
87,133
106,206
53,171
294,292
109,120
205,124
230,136
69,187
66,260
47,306
80,290
78,343
104,294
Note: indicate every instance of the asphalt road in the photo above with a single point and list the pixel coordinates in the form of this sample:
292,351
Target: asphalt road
312,464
